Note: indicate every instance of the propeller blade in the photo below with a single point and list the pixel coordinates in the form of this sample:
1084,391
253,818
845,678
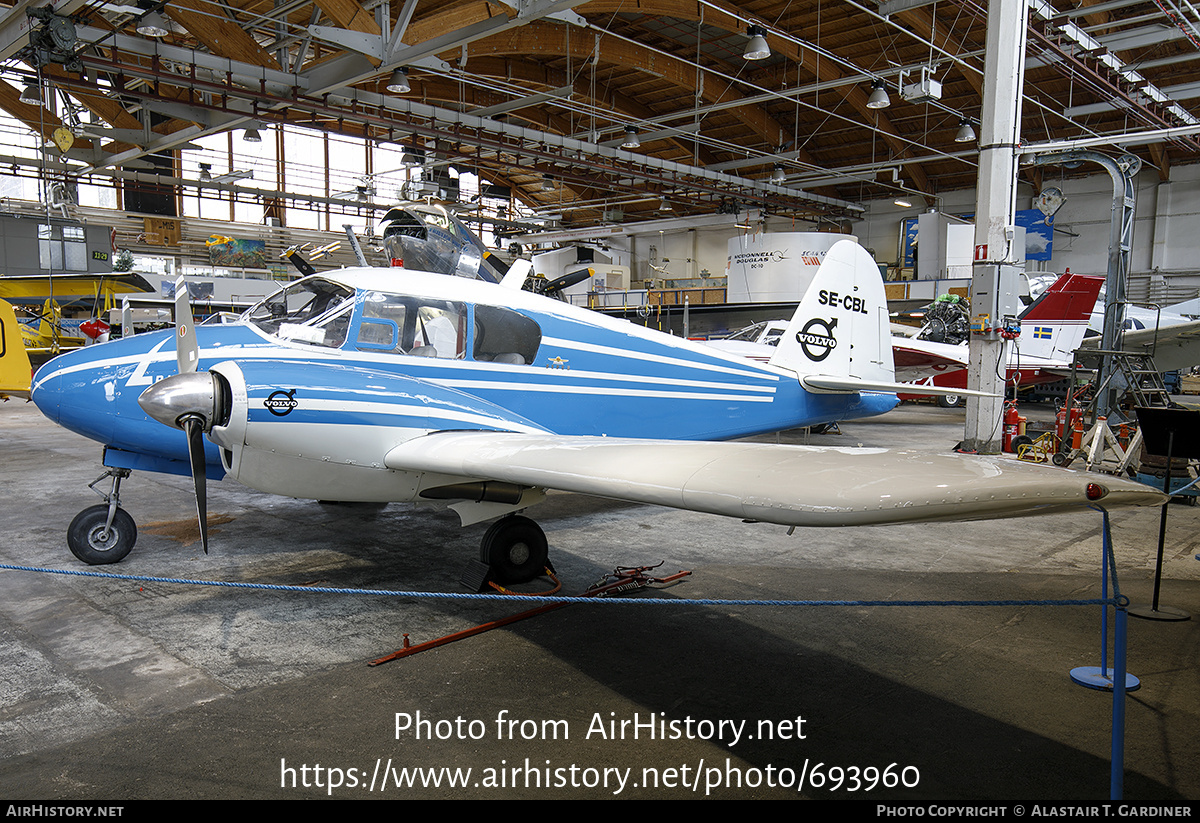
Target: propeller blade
187,350
568,280
194,426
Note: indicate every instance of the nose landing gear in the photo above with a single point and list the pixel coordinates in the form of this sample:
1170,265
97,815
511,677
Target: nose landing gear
104,533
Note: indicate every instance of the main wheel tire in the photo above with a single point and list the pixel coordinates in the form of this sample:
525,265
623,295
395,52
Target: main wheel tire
96,546
949,401
515,548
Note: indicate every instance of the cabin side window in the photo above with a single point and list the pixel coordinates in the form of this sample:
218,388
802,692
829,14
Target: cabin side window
407,325
505,336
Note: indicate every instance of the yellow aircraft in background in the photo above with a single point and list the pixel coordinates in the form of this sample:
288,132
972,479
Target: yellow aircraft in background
49,337
15,370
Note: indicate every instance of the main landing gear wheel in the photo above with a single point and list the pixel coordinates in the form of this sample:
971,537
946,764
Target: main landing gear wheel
950,401
97,545
515,549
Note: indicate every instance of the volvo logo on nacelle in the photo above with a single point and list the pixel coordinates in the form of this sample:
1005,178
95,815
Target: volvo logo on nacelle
280,403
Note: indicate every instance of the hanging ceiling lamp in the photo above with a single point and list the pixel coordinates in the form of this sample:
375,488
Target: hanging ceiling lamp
966,132
879,97
756,48
778,174
152,24
631,138
32,95
398,82
251,135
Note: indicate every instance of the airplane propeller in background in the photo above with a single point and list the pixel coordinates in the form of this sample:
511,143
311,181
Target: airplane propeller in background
189,400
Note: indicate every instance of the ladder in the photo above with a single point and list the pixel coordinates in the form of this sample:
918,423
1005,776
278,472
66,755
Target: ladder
1143,380
1136,373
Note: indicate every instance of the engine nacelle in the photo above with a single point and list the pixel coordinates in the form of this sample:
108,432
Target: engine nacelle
328,438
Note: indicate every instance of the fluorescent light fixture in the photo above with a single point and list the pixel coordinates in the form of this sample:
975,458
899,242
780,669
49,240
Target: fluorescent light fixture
251,135
32,95
152,24
879,97
398,83
756,48
241,174
631,138
902,203
966,133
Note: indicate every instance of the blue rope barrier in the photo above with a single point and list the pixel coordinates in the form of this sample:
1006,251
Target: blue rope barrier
533,598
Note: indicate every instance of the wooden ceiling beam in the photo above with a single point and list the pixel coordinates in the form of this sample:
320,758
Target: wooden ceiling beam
350,15
725,17
220,35
555,40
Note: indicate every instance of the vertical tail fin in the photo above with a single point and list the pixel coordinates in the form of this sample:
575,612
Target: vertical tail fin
14,361
840,328
1054,325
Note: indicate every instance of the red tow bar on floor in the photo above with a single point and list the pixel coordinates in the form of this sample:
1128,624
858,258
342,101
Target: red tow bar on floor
620,580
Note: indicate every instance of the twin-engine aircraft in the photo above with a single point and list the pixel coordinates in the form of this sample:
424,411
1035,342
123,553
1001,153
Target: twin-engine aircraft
397,385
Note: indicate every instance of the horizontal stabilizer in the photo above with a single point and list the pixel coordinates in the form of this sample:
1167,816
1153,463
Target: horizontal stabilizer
789,485
821,384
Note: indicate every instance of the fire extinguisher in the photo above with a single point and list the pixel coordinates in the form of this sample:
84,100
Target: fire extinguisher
1011,421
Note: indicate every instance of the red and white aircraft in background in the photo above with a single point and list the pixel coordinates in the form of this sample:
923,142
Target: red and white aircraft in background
1171,334
1052,328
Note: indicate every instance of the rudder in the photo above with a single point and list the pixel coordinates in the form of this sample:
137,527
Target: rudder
840,328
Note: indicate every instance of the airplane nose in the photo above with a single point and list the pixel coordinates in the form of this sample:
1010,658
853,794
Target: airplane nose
46,395
182,395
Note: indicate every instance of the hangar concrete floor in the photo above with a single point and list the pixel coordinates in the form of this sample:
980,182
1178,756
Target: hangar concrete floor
125,689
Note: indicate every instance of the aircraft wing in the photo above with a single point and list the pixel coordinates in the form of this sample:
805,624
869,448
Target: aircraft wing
1173,347
40,286
789,485
919,359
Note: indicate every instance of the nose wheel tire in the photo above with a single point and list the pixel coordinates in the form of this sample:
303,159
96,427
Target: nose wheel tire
515,549
96,545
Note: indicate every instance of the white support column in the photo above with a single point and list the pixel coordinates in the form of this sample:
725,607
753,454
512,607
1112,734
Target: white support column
995,211
1162,226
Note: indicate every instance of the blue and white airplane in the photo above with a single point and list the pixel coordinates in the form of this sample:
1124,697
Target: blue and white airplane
396,385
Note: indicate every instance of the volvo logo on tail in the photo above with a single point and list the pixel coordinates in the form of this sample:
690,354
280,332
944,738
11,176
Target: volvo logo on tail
817,346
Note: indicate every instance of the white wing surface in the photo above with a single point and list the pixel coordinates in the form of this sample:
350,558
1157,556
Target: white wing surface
790,485
1173,347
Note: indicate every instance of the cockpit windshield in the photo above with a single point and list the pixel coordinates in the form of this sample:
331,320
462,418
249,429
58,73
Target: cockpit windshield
749,334
314,311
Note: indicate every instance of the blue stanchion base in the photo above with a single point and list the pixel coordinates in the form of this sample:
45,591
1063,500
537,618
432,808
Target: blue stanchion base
1093,678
